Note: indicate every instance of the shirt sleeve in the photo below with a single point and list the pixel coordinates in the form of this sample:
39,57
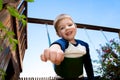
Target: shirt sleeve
62,42
88,64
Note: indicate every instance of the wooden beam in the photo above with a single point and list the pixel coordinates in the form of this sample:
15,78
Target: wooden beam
86,26
95,27
40,21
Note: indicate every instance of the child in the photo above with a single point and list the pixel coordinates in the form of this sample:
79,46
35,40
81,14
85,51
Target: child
68,54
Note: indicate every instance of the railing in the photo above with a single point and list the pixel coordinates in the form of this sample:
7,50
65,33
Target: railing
38,78
50,78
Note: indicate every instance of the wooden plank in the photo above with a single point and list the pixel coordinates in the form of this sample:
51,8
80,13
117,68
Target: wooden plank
25,13
22,6
23,50
7,59
14,4
3,60
87,26
3,45
9,1
4,16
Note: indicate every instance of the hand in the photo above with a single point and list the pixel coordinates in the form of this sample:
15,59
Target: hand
54,54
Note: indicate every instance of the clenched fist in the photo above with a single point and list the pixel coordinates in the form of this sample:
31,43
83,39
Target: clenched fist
54,54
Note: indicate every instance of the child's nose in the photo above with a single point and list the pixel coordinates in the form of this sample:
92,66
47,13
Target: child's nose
67,27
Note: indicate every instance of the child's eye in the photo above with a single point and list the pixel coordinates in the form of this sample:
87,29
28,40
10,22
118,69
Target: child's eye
61,28
70,25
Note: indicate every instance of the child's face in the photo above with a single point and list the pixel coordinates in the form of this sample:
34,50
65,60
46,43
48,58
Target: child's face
66,29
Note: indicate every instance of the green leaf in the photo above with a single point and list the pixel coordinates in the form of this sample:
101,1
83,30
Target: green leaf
1,48
10,40
3,74
13,12
2,26
29,0
15,41
23,16
1,4
24,22
10,33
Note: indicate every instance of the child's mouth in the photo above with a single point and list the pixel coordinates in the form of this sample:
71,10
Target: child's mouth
69,33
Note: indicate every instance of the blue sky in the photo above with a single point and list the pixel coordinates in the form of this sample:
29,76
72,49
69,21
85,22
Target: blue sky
93,12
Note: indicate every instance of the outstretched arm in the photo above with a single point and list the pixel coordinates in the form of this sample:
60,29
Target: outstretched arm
54,54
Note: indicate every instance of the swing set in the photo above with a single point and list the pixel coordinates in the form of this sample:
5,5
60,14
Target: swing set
83,26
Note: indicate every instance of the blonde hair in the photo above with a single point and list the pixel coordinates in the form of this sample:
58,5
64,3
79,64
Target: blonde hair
60,17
